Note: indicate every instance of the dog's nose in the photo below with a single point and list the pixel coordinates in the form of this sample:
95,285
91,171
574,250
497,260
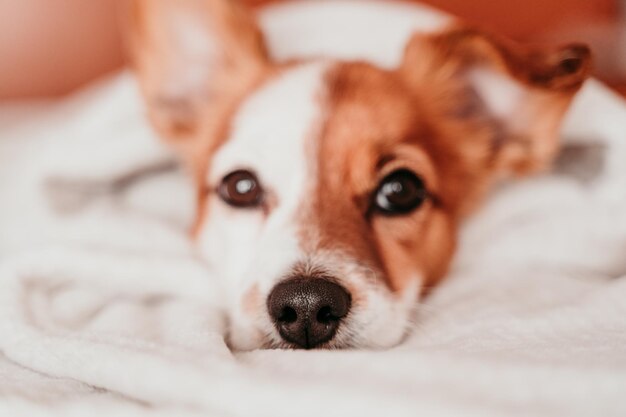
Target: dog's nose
308,311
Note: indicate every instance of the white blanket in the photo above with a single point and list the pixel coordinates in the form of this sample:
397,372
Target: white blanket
106,310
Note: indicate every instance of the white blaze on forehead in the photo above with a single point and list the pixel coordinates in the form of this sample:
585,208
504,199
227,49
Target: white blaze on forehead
269,133
271,136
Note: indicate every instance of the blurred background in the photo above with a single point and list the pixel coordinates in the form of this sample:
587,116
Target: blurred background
50,48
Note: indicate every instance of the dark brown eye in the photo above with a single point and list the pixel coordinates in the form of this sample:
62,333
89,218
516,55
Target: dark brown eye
241,189
400,193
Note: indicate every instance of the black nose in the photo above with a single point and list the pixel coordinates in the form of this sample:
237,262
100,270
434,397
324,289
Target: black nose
307,311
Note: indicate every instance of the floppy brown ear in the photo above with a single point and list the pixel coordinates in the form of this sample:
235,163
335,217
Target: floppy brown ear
522,91
192,59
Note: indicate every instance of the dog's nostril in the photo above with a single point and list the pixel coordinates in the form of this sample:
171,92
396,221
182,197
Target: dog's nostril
307,311
288,315
325,315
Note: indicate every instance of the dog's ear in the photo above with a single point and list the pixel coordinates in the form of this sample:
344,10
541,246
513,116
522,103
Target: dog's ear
520,92
192,57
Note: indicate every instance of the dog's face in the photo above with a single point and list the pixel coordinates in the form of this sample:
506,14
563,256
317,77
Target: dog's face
329,193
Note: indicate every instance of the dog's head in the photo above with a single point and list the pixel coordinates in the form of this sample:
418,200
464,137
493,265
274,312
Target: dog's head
329,193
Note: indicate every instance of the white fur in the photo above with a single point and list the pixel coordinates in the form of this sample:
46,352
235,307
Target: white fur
269,137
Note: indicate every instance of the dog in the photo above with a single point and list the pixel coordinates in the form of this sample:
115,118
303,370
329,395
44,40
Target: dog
330,192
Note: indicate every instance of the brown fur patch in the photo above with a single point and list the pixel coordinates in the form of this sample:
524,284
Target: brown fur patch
373,127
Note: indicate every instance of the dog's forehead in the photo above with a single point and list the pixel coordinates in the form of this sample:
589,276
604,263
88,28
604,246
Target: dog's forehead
279,128
365,97
270,131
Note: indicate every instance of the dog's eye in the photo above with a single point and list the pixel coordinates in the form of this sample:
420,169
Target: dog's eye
241,189
399,193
